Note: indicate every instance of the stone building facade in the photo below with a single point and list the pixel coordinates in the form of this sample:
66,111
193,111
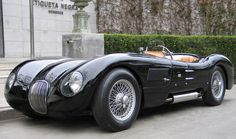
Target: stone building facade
52,18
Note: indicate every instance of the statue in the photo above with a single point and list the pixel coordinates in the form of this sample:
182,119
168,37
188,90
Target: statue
81,17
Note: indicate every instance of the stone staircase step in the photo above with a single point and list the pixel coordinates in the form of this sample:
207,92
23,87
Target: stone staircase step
12,60
3,79
6,68
5,72
8,64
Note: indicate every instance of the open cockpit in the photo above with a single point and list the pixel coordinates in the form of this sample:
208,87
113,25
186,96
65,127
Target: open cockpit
165,53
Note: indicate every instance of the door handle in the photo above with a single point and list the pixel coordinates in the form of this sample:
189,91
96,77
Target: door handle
189,78
166,79
189,71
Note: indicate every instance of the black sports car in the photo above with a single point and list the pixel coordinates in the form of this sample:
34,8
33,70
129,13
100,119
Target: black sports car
114,87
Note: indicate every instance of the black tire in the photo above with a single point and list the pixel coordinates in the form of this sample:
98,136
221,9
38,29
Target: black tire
211,97
102,109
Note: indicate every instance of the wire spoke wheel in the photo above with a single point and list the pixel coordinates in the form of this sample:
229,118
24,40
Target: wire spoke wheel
214,95
122,100
117,100
217,84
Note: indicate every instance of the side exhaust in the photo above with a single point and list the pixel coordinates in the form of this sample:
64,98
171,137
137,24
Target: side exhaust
183,97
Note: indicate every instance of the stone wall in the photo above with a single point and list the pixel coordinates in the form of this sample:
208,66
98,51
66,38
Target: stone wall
187,17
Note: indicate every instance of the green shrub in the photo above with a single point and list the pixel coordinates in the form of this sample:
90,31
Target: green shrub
202,45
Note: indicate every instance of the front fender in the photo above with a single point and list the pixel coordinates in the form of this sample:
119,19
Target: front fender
227,66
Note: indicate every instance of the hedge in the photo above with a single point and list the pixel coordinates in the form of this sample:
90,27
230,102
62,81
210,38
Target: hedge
202,45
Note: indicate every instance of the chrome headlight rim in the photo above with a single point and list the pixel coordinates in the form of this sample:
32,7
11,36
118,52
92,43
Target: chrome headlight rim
11,80
72,84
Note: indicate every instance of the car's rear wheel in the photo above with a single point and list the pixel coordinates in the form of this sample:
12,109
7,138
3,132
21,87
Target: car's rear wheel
216,90
117,100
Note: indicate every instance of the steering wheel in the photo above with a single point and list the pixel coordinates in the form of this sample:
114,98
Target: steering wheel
165,50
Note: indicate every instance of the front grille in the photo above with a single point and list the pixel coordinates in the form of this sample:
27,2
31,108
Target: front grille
38,96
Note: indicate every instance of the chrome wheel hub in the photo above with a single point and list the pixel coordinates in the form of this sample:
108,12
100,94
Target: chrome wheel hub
125,101
217,84
122,100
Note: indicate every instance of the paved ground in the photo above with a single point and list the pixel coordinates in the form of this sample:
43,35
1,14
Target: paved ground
183,120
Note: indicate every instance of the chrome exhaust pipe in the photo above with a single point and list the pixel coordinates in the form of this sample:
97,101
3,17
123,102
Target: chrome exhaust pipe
183,97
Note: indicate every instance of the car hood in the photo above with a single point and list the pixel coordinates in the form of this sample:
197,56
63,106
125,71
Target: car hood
50,70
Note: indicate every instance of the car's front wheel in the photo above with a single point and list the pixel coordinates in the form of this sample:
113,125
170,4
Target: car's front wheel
117,100
216,90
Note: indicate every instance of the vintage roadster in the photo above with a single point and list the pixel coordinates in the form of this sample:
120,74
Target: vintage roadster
115,87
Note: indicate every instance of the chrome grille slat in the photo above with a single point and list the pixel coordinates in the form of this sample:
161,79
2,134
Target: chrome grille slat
38,96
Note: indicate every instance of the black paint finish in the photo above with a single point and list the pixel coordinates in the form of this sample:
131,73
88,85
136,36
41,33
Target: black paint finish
157,77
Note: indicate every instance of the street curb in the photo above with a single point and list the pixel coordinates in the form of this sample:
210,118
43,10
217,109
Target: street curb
7,113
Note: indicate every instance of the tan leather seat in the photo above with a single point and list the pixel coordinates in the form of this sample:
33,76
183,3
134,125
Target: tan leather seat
182,58
155,53
186,58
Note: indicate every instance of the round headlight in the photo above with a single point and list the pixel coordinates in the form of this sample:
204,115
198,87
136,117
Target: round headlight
74,83
11,80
